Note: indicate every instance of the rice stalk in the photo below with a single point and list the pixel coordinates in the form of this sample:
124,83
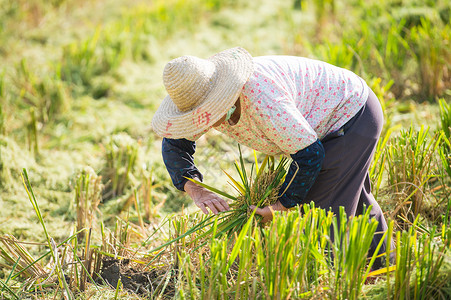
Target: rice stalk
32,126
51,243
15,254
88,190
147,188
409,160
121,154
445,117
2,105
6,287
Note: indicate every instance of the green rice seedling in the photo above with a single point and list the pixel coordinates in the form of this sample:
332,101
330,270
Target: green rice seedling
187,266
433,55
445,117
121,154
98,55
246,275
445,157
418,264
221,275
32,134
51,243
261,190
409,167
2,104
45,92
377,168
341,55
88,192
429,281
291,254
151,202
352,241
150,209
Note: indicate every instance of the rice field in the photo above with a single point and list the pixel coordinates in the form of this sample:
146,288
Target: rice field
88,210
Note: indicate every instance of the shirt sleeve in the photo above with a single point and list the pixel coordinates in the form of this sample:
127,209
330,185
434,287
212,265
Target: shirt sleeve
179,161
302,174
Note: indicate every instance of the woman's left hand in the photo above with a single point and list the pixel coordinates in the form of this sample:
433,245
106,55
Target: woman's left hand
267,211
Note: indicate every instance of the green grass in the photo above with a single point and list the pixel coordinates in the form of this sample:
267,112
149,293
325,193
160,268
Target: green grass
77,74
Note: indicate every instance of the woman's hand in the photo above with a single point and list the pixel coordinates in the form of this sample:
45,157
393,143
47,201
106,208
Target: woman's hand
267,211
204,198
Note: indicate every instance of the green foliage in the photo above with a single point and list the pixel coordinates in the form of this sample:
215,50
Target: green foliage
52,50
419,259
352,241
50,242
2,104
121,154
83,61
294,258
410,158
432,46
341,55
88,191
44,92
445,117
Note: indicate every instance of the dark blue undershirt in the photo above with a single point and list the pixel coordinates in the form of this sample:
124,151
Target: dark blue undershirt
179,161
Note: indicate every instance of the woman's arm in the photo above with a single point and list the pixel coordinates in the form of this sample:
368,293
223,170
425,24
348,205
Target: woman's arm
179,161
302,174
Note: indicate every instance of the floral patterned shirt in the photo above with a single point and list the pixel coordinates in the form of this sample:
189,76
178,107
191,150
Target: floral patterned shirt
290,102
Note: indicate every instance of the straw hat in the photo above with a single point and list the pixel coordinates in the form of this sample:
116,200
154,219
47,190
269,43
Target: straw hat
201,91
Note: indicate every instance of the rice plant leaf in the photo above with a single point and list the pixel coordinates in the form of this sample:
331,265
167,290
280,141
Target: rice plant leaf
236,183
6,287
12,270
239,241
263,166
45,254
243,169
215,190
34,202
204,223
256,161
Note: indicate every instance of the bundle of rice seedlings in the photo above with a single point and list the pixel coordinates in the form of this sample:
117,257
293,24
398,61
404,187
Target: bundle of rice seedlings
261,189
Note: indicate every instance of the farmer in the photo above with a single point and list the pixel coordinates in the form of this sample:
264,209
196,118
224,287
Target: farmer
326,118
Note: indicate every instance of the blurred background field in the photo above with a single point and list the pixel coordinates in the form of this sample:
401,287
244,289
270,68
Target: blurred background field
80,81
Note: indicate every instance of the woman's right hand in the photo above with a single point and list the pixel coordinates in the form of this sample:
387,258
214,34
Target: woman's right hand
204,198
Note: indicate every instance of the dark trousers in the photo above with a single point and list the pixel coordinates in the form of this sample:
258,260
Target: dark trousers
344,179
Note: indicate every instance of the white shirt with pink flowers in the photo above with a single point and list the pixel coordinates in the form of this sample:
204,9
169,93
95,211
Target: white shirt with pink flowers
290,102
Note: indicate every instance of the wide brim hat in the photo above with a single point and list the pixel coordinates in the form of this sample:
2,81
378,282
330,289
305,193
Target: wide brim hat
200,92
